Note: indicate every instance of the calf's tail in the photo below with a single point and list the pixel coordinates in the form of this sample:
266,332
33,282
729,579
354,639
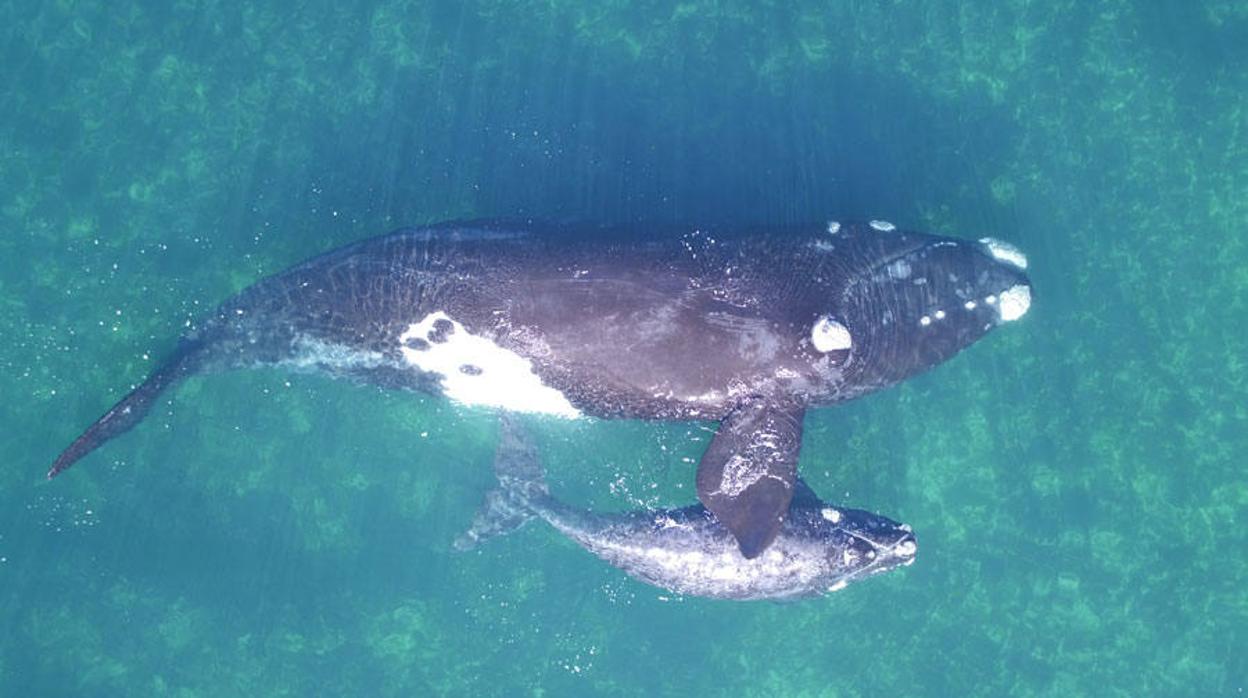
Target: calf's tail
521,483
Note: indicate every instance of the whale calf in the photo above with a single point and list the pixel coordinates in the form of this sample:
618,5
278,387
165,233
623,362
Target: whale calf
745,327
819,548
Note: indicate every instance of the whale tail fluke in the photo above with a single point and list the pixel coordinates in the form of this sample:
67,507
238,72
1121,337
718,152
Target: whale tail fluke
521,483
132,408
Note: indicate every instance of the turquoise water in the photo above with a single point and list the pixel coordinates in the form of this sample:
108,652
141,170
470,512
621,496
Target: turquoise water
1076,480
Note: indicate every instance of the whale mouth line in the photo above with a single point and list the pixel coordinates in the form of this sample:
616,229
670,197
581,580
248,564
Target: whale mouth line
909,252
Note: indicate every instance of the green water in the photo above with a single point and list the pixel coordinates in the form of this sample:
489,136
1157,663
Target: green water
1076,480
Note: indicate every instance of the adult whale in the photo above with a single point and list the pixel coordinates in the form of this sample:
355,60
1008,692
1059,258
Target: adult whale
745,327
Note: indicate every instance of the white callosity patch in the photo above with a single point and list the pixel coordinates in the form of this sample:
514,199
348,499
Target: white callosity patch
883,226
831,514
1005,252
834,227
899,269
476,371
829,335
1013,303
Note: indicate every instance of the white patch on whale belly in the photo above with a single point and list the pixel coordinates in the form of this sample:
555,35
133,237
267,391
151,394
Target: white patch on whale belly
1014,303
476,371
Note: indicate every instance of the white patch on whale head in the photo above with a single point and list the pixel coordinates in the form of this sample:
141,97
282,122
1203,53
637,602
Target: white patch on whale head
838,585
883,226
1005,252
476,371
829,335
1013,303
831,514
834,227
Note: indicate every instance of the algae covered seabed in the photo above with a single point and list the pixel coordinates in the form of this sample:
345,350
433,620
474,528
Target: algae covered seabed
1076,480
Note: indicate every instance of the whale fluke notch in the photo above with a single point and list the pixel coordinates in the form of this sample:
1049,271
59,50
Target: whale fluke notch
747,474
132,408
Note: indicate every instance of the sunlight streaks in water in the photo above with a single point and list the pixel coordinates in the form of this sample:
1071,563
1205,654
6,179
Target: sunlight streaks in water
1076,480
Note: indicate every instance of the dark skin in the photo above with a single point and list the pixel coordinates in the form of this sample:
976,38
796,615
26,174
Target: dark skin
669,325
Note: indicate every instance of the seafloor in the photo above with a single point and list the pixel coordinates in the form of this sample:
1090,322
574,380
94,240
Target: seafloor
1077,480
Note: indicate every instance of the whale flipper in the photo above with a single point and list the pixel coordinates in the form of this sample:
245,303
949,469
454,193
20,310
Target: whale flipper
746,475
132,408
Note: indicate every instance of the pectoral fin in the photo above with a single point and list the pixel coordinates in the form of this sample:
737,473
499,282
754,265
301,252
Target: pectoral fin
747,473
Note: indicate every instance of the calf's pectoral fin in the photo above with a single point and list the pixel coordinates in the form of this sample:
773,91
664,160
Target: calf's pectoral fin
747,473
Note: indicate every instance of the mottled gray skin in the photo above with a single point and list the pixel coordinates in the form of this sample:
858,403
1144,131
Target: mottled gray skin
690,324
819,548
688,551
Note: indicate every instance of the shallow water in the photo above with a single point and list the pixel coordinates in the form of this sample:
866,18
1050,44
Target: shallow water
1076,480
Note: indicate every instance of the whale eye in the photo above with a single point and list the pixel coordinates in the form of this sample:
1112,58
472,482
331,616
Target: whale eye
829,335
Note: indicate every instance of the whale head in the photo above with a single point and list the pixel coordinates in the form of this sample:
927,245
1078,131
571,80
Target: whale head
859,544
905,301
